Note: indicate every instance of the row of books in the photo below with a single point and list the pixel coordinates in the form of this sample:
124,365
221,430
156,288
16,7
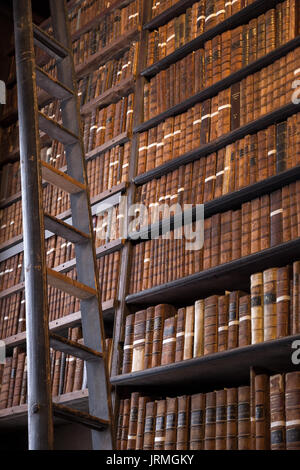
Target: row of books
108,75
210,9
163,335
106,226
247,161
10,221
10,180
108,30
85,11
254,96
239,46
264,222
104,124
11,271
262,416
13,307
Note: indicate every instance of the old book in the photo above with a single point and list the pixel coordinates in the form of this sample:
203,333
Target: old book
226,237
125,424
223,305
210,421
232,419
189,332
161,313
221,419
19,379
244,423
197,421
149,425
169,341
244,321
160,425
262,412
138,351
257,317
180,335
295,327
119,425
183,423
233,319
171,423
292,410
133,417
283,302
276,214
128,344
255,225
141,422
236,234
210,324
199,329
270,306
277,412
148,337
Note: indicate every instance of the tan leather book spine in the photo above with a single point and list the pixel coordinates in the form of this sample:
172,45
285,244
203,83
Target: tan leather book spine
221,419
292,411
236,234
244,321
276,214
133,417
277,412
233,319
19,378
149,425
283,301
171,423
217,243
160,425
295,327
270,305
128,344
226,237
125,424
255,225
257,305
198,329
161,313
169,341
183,424
262,412
210,421
119,425
180,335
223,307
246,229
197,421
149,337
265,222
244,422
138,351
210,324
232,419
189,332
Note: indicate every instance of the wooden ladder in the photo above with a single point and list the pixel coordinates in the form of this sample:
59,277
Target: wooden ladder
35,222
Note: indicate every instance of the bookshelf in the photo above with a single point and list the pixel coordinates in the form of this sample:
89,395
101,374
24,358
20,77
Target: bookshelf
229,368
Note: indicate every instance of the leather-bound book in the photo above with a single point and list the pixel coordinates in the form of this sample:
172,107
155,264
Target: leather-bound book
133,417
128,344
216,240
244,423
277,412
138,351
257,305
276,215
197,421
226,237
221,419
295,326
205,122
286,211
160,425
199,329
119,425
270,305
161,313
207,243
189,332
246,229
125,424
233,319
169,341
232,419
148,337
171,423
210,421
180,335
223,306
244,321
281,147
262,412
265,222
149,425
255,225
141,422
283,301
19,378
235,106
183,424
210,324
12,377
292,410
236,234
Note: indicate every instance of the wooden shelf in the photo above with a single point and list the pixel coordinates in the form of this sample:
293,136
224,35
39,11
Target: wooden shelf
223,369
229,201
16,417
229,276
177,9
221,85
112,95
242,17
252,127
119,140
115,48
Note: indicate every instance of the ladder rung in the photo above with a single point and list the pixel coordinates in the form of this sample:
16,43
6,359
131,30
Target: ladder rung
80,417
52,86
64,230
61,180
74,349
56,131
49,44
72,287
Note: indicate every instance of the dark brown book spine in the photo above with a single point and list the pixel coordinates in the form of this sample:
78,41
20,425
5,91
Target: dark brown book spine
141,422
160,425
128,344
244,423
262,410
210,421
133,417
149,425
232,417
183,423
221,419
171,423
277,412
292,410
197,421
